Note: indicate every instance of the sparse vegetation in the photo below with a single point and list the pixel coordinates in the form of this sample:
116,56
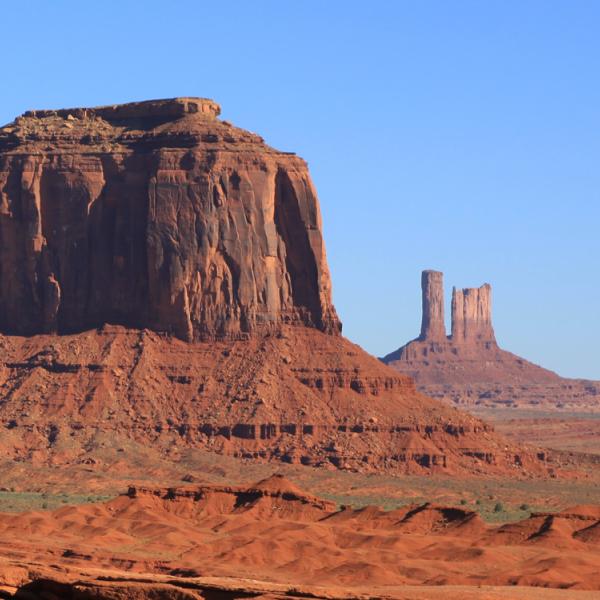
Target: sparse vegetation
11,501
345,488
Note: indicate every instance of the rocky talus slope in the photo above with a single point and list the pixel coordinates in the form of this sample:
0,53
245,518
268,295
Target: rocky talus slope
298,396
469,369
202,247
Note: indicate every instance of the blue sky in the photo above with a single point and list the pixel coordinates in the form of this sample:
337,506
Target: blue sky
462,136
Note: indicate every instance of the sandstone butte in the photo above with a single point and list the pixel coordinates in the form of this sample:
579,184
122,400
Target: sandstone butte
163,279
469,369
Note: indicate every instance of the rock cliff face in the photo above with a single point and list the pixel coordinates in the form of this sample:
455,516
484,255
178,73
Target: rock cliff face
468,367
156,214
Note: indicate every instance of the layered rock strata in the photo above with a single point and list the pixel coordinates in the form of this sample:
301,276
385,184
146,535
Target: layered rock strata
468,368
156,214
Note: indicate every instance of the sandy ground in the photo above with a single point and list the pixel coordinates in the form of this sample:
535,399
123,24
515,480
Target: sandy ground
275,533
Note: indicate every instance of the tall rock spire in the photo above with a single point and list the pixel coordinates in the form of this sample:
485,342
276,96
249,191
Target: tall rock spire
433,327
472,315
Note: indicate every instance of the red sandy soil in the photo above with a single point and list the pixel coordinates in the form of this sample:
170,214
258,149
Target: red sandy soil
273,534
577,432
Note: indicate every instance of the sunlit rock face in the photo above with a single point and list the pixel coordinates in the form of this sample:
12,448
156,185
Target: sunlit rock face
156,214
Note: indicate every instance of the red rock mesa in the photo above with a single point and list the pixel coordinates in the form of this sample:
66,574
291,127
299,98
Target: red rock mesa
156,214
126,227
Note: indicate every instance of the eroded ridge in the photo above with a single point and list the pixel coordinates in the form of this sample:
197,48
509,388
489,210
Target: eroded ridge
296,396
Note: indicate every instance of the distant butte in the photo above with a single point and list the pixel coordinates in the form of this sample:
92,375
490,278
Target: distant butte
468,368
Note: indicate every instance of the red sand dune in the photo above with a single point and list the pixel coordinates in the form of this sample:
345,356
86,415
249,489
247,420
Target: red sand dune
274,532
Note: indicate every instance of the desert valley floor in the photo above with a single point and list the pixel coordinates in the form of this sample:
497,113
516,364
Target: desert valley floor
212,526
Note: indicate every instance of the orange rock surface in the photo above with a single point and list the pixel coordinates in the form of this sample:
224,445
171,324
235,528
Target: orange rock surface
297,396
156,214
160,218
164,284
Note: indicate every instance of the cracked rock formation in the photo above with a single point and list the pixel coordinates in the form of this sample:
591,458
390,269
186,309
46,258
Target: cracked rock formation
156,214
469,368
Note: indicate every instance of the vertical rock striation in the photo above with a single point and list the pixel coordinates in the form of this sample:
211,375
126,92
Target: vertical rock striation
472,315
433,327
158,217
156,214
469,368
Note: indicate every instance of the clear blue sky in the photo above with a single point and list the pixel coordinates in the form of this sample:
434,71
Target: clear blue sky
457,135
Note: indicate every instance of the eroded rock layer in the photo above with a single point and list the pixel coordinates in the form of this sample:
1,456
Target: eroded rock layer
297,396
156,217
156,214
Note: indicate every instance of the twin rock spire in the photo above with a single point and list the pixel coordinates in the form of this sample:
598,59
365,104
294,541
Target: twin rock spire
471,312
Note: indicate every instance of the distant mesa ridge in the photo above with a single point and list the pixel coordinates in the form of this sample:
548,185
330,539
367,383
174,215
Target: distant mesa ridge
171,108
471,328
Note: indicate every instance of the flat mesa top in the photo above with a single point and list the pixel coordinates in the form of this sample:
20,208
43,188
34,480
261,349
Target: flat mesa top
184,122
166,108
